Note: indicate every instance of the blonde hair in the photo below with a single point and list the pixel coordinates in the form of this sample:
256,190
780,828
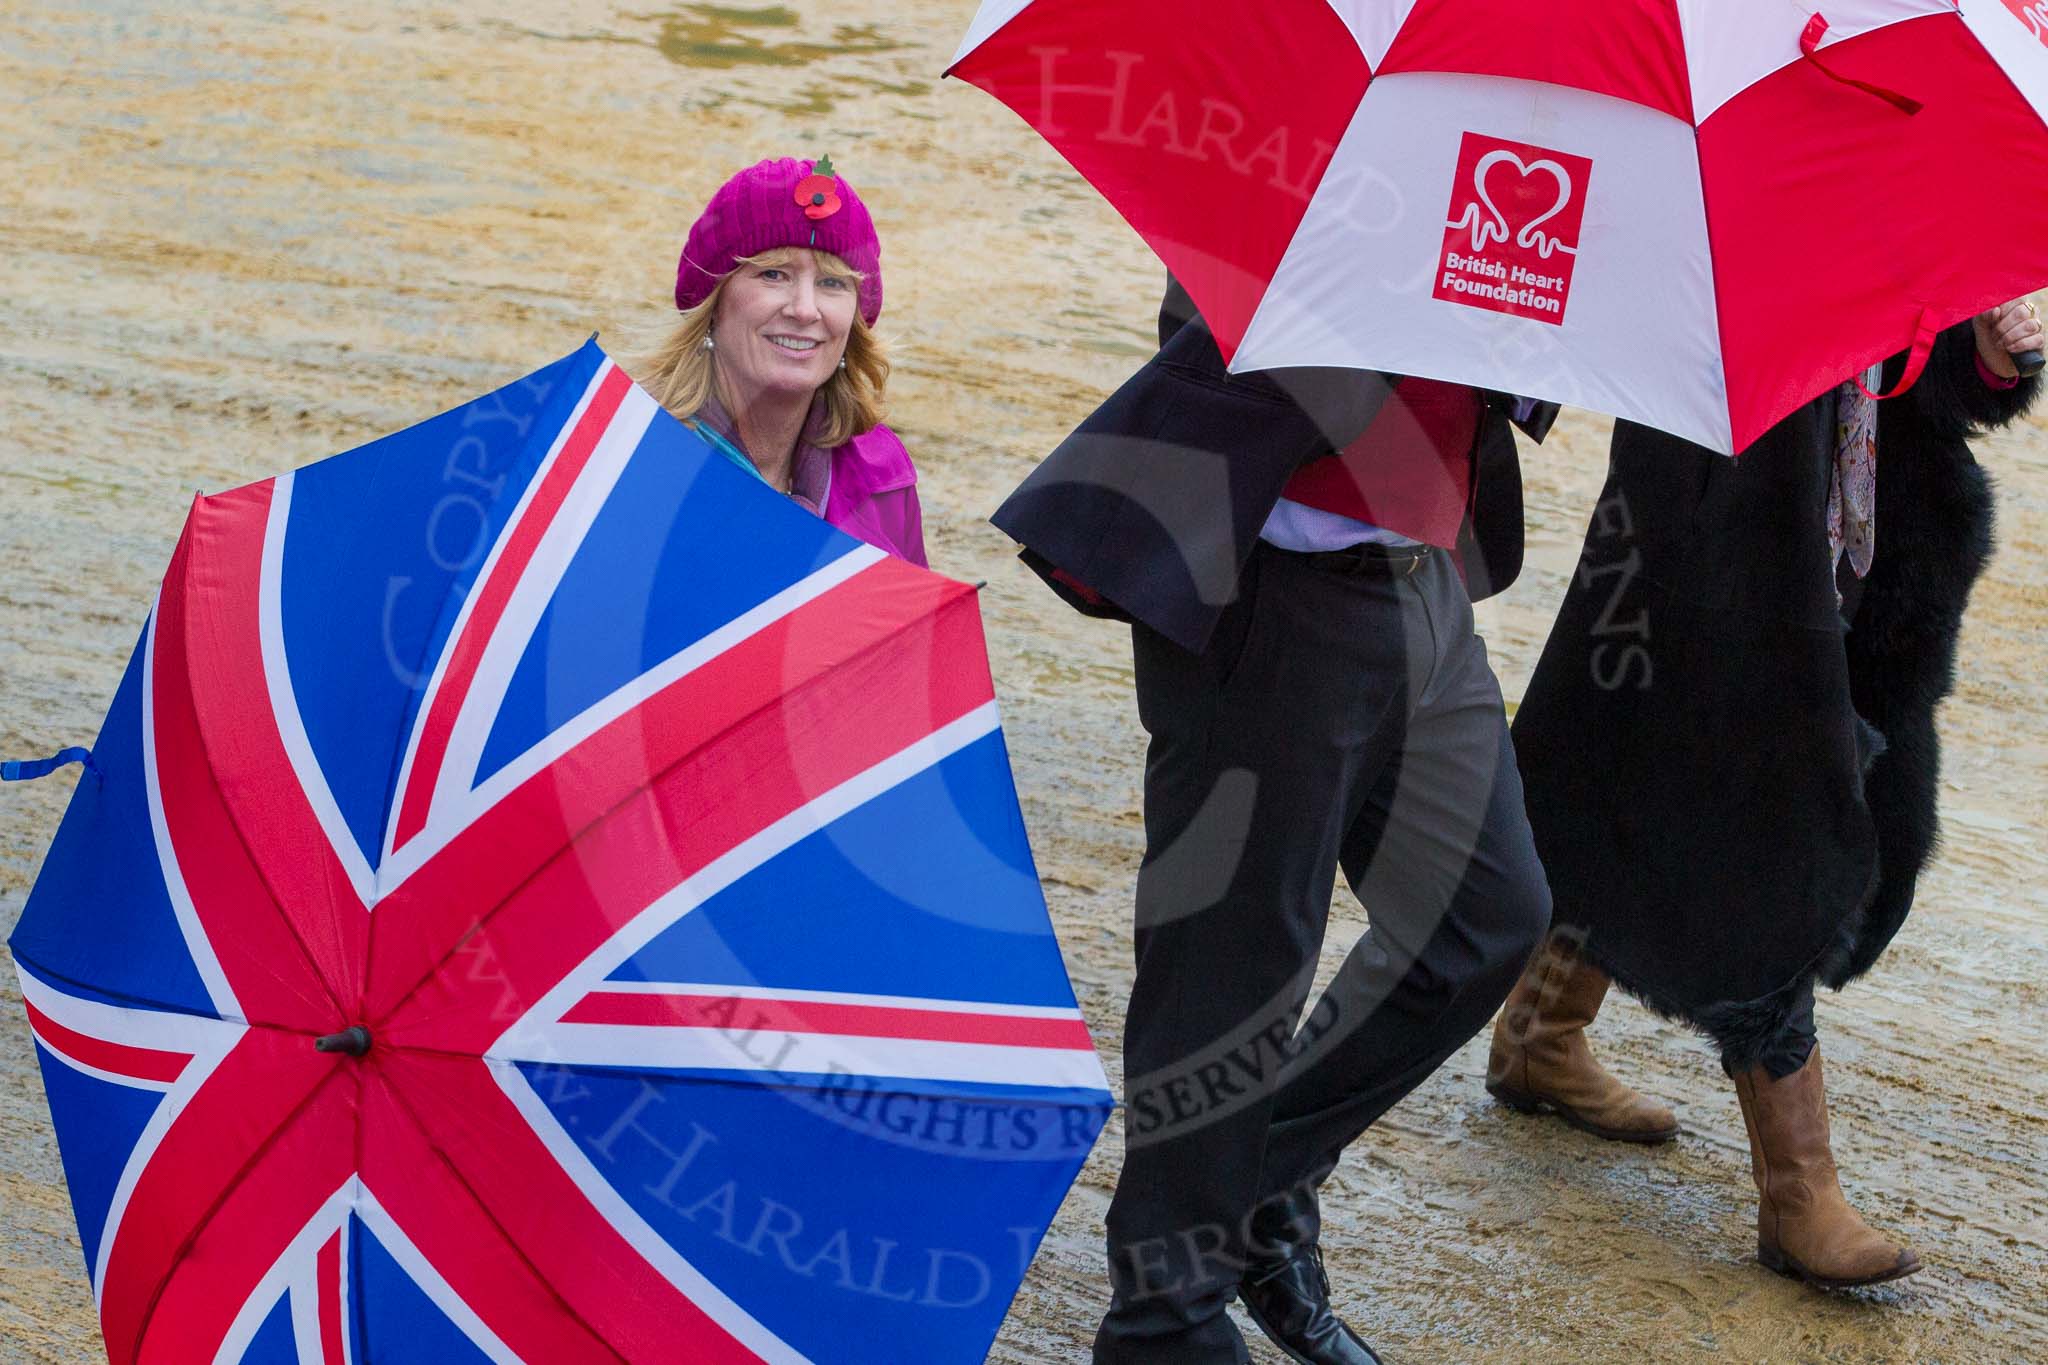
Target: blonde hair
680,374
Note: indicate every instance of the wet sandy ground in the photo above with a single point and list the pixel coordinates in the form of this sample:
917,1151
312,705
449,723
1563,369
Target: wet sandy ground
237,241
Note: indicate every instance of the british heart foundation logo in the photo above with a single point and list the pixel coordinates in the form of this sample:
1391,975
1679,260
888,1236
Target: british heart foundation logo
1511,235
2032,13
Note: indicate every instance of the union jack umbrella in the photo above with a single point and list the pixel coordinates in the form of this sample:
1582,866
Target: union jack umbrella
1697,214
542,897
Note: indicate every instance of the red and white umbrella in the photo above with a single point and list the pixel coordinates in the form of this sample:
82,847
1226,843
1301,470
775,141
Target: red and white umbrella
1697,214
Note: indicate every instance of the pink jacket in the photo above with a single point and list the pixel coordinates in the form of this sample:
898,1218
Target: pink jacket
873,495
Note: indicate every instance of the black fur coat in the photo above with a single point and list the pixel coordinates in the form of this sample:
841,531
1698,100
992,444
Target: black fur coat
1733,793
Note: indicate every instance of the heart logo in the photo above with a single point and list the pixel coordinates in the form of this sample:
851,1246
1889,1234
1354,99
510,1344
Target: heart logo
2032,13
1523,195
1511,232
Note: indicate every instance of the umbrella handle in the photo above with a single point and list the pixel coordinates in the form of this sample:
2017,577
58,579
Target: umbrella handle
2029,363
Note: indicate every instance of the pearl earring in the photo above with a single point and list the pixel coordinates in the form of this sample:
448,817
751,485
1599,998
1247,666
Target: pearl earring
842,362
709,344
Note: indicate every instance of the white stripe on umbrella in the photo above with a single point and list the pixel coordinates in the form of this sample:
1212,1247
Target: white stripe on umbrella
806,1055
468,606
756,992
635,1229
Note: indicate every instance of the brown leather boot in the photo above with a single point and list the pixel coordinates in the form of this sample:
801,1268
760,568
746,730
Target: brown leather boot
1804,1227
1541,1062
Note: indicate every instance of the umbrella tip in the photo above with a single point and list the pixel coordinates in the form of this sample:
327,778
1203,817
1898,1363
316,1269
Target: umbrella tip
354,1040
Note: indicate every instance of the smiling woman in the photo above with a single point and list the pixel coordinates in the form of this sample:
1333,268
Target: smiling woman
774,358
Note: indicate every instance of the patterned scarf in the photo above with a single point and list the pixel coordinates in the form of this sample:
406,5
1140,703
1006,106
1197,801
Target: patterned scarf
1852,492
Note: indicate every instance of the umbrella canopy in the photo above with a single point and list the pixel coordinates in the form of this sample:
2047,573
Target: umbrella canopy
1697,214
542,896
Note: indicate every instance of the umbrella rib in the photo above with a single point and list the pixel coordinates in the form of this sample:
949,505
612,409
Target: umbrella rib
228,1187
569,843
234,823
90,992
426,1133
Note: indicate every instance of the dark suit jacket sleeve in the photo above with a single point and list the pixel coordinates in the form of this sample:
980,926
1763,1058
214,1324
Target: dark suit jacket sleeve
1337,404
1155,501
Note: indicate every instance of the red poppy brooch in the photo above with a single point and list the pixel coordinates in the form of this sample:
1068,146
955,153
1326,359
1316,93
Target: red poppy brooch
818,192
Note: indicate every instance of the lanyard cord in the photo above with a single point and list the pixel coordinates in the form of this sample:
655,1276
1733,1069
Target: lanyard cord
725,448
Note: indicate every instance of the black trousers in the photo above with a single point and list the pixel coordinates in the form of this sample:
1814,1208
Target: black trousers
1338,718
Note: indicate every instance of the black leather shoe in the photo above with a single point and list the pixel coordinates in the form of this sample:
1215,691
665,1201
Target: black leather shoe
1289,1299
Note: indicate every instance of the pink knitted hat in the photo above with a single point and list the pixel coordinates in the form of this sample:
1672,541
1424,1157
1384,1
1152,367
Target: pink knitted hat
781,203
